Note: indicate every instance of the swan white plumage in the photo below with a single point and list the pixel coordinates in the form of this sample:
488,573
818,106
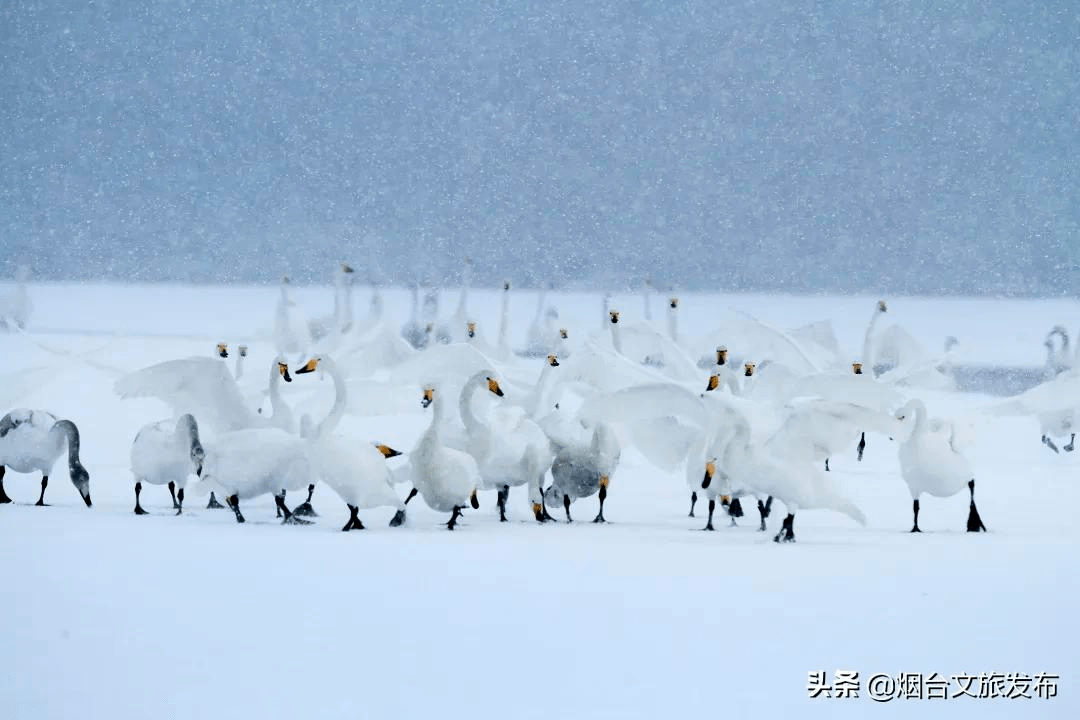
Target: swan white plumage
33,440
292,333
931,462
580,470
1055,404
205,388
510,454
340,320
446,478
166,453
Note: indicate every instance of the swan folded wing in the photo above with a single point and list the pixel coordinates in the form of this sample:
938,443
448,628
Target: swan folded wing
201,386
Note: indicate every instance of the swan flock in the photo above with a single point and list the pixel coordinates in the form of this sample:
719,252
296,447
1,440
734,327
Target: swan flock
745,412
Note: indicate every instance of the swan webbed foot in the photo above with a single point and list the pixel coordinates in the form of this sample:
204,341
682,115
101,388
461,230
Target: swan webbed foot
354,520
974,523
787,531
214,504
1049,443
234,503
1070,447
916,529
399,518
139,510
304,509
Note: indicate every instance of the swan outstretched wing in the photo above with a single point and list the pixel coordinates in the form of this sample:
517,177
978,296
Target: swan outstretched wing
1059,394
201,386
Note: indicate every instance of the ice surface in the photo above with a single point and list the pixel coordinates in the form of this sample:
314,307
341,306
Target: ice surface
115,616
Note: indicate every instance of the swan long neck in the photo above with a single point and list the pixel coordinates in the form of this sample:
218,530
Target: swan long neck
188,431
616,337
673,323
868,347
465,404
504,324
281,412
543,389
238,372
71,433
540,306
337,410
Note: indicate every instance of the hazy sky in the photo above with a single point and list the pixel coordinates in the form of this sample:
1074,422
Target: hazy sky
892,146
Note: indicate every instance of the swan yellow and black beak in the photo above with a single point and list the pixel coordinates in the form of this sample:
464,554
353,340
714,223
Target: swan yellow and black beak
563,334
714,382
604,481
614,316
470,328
346,268
881,306
710,470
856,367
473,501
493,386
309,366
721,355
725,500
243,351
222,350
553,360
748,369
387,451
673,303
283,370
429,397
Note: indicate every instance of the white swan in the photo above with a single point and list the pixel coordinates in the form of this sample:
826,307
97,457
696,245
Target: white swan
166,453
867,356
291,331
205,388
222,351
340,320
245,464
446,478
931,462
15,309
33,440
508,455
1054,402
579,471
460,319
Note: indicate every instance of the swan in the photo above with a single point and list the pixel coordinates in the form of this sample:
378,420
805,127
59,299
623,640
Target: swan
578,470
446,478
340,321
244,464
544,337
291,331
15,308
673,319
33,440
515,454
504,321
413,329
222,351
165,453
206,389
1054,402
868,340
931,462
461,314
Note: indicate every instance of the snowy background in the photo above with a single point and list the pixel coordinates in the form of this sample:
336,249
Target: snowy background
112,615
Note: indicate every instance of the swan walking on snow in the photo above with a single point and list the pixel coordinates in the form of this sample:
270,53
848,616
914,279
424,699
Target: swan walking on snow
446,478
166,453
33,440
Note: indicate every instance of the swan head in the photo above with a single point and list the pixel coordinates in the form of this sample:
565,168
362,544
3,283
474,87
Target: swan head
242,350
222,350
710,470
283,371
856,367
470,329
882,307
311,365
493,386
714,382
506,286
748,369
673,303
553,360
387,451
81,480
346,269
614,316
721,355
428,398
563,334
198,457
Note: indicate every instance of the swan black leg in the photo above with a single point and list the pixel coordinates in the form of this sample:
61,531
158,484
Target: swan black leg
354,520
504,492
412,494
4,499
213,504
454,518
1069,447
44,484
180,506
787,532
827,465
304,509
974,523
172,491
566,506
290,518
712,507
603,496
763,510
862,445
1049,443
915,506
693,502
278,507
138,508
234,502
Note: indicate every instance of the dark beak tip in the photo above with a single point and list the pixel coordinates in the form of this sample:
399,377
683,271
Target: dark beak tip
88,503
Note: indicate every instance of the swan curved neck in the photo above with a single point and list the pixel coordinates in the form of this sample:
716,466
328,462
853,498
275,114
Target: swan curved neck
465,404
673,323
543,390
337,410
71,433
281,411
616,337
504,324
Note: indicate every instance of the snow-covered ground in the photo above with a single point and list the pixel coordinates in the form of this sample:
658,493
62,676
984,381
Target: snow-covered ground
110,615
